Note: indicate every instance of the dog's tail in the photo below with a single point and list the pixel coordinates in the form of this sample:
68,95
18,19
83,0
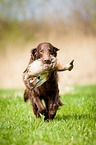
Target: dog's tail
26,95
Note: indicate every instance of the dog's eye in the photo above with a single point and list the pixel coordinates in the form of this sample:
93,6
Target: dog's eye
50,51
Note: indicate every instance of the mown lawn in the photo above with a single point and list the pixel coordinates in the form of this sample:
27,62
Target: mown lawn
75,122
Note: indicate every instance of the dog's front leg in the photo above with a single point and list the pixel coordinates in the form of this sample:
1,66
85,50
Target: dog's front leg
35,95
68,66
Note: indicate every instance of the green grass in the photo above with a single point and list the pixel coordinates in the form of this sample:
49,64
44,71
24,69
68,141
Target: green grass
75,122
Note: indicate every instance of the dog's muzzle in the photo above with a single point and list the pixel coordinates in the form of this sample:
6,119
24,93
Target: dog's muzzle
47,61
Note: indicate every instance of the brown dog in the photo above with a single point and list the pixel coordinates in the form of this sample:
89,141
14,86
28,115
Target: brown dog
48,91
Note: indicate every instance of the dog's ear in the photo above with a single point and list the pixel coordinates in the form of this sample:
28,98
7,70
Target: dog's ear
34,53
55,49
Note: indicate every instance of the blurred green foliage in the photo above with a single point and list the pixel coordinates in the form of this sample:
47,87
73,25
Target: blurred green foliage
14,25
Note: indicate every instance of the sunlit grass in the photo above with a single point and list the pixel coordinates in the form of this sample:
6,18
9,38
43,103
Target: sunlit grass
75,122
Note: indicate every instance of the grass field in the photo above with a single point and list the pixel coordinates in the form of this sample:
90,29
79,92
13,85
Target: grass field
75,122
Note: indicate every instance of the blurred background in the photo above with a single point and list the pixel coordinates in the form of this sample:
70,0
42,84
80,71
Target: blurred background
68,24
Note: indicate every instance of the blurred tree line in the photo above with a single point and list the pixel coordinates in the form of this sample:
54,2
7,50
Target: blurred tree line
30,19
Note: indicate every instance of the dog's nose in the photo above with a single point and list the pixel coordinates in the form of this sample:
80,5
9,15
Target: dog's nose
47,61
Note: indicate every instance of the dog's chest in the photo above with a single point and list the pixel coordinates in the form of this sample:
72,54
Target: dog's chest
50,86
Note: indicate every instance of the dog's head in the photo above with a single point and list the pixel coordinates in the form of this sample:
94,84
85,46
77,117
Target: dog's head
46,52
